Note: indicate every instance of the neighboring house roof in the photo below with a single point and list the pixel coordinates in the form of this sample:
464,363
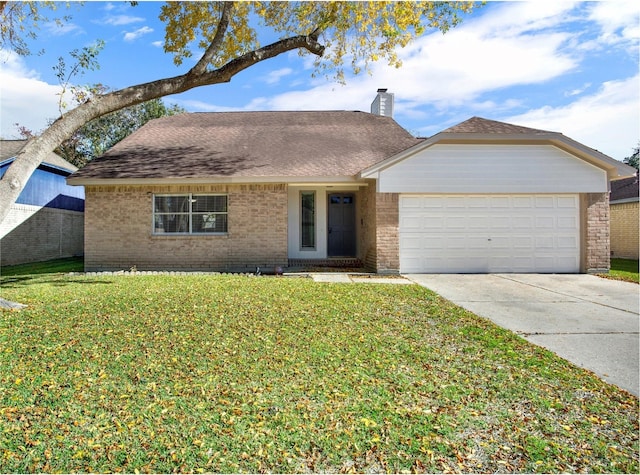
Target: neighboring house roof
478,130
624,190
250,146
46,186
9,149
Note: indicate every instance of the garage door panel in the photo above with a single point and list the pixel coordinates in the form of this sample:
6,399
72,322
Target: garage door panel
569,202
414,223
412,202
456,223
500,223
567,242
476,223
500,202
522,223
544,202
455,202
479,202
522,242
489,233
570,223
523,202
545,222
500,243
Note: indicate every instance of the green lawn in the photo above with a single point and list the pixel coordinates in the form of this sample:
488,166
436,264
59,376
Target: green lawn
264,374
624,269
70,264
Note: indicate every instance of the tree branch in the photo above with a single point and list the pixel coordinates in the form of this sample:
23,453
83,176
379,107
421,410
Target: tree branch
37,149
214,46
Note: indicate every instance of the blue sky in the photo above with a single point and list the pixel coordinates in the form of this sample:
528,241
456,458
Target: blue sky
570,67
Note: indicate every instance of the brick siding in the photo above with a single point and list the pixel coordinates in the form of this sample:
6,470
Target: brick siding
118,230
625,222
367,235
387,233
596,232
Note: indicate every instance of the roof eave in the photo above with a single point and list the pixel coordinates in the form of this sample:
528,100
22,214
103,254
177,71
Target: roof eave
239,180
44,164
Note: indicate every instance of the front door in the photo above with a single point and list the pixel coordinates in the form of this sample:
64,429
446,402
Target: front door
342,225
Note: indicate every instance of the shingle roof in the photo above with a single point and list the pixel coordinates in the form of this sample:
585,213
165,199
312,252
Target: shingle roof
624,189
9,149
478,125
252,144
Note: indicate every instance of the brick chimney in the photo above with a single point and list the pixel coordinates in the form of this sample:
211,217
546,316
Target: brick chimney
383,103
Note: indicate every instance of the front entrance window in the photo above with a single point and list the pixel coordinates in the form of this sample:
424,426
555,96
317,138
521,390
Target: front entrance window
308,220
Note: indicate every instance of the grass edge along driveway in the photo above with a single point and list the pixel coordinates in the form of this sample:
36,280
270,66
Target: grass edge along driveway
257,374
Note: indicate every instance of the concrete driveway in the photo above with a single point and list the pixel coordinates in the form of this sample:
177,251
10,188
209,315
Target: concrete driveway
590,321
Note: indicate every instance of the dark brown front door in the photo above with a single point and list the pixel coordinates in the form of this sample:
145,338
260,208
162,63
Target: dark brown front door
342,225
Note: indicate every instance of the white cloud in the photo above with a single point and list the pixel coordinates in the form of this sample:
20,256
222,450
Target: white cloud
274,76
60,29
607,120
201,106
577,91
134,35
619,21
119,20
25,99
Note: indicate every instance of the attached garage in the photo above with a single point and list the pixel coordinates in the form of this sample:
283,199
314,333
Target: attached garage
489,233
490,197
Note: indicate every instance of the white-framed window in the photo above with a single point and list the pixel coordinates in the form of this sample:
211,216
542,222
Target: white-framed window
307,220
189,214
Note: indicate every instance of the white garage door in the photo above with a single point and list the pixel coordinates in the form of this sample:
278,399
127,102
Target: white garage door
489,233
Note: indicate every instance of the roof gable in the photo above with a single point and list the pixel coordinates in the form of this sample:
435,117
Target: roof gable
243,145
478,125
477,130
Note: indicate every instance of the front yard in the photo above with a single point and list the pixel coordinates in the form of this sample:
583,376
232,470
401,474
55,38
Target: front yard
264,374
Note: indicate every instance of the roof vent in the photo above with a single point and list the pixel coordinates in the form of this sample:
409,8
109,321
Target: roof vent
383,103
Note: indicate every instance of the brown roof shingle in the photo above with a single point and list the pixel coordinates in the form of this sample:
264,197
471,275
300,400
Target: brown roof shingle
252,144
478,125
625,188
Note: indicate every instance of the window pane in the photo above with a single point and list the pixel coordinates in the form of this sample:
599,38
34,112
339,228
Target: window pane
209,223
172,204
172,223
308,219
204,203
